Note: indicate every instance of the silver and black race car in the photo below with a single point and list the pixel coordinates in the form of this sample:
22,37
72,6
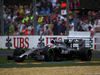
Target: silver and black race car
56,50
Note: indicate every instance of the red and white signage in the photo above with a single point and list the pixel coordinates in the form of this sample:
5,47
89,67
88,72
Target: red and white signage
26,41
21,42
63,12
33,41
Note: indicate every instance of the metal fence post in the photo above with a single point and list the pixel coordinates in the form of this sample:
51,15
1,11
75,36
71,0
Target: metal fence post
67,8
74,15
1,18
35,17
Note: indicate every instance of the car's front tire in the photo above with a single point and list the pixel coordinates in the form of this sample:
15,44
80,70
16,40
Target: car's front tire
49,54
18,52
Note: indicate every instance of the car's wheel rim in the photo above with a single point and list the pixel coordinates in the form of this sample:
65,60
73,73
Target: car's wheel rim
51,54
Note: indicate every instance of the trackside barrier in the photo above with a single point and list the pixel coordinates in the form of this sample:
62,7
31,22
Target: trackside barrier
36,40
96,43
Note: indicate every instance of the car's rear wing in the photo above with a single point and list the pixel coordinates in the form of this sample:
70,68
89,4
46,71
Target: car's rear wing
78,43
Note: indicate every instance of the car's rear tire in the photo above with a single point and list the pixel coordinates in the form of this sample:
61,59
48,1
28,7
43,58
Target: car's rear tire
18,52
85,54
49,54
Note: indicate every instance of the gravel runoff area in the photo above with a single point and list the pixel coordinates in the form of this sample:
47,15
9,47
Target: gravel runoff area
70,70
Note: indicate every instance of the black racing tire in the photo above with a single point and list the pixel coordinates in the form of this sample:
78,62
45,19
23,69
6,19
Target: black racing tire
49,54
18,52
85,54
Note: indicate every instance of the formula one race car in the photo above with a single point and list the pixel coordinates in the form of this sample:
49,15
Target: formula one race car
54,51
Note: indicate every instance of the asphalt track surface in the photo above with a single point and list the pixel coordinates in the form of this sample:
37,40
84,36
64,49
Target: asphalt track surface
10,53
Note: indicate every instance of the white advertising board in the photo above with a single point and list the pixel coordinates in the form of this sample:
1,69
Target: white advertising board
33,41
26,41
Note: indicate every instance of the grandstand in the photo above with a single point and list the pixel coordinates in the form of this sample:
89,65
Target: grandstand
20,10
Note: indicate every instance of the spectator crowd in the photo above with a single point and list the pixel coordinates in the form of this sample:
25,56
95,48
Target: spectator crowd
19,19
